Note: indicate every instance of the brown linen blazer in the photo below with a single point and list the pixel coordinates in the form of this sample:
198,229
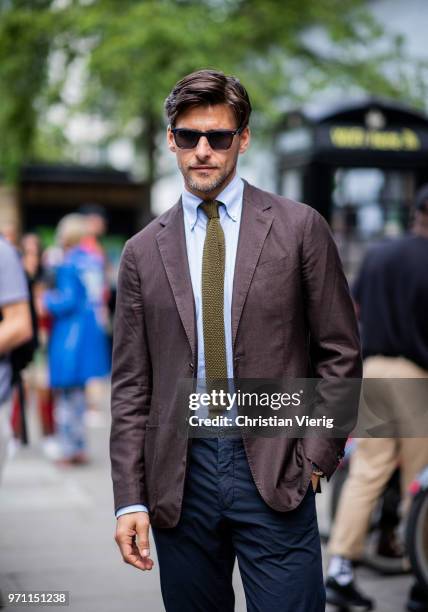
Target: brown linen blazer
292,316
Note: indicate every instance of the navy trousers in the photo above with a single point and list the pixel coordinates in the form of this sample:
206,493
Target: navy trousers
224,517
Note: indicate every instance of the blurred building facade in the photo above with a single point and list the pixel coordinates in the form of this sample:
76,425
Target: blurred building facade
358,163
47,192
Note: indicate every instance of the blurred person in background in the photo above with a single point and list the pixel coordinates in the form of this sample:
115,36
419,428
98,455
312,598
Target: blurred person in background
23,356
94,272
36,375
71,343
391,295
31,249
96,226
15,329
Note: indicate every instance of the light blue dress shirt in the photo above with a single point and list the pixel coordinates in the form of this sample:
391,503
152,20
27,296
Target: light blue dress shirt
195,224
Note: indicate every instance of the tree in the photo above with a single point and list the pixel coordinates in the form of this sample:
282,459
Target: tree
135,50
26,31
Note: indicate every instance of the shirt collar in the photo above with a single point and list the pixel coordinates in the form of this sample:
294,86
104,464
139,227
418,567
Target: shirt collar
231,197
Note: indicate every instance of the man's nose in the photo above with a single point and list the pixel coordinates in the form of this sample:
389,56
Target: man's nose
203,148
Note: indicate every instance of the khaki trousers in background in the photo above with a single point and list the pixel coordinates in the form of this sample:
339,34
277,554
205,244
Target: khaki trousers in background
374,461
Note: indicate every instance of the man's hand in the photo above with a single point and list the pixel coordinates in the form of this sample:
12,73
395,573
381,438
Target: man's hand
315,480
132,537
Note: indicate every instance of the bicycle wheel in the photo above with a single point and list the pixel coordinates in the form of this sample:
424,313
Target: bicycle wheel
417,537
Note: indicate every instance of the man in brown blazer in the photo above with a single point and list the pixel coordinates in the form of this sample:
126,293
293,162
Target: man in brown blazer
231,282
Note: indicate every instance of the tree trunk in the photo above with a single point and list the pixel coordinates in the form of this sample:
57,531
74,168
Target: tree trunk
147,143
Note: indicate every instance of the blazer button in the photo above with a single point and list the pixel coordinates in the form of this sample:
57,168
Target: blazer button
191,366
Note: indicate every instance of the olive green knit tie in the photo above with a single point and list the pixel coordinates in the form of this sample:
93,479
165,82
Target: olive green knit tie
213,294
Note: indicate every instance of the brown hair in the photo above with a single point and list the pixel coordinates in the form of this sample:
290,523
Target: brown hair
208,87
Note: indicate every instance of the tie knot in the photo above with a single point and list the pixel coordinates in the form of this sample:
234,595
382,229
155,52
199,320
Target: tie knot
210,208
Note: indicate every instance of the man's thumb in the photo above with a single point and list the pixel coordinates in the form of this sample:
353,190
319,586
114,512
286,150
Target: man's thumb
143,539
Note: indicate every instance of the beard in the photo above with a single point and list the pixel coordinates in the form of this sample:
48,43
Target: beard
208,185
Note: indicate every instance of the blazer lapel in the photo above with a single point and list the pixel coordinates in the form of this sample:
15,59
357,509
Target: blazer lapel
256,220
172,246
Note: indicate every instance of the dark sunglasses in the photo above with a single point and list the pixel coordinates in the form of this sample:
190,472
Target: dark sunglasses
217,139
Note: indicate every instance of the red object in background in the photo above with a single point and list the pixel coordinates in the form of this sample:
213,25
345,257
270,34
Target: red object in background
45,406
45,323
16,421
415,487
91,245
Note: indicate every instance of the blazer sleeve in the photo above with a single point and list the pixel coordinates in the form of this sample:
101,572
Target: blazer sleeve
334,338
131,387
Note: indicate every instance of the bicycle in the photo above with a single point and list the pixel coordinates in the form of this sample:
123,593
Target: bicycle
417,528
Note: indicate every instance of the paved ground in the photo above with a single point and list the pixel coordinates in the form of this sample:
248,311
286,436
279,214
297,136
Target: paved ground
57,534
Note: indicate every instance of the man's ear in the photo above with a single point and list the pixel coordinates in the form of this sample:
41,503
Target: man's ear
170,140
244,141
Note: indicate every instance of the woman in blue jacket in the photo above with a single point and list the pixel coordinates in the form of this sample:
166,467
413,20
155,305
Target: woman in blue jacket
73,343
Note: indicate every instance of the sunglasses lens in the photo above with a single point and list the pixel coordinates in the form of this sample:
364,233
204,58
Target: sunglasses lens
220,140
186,139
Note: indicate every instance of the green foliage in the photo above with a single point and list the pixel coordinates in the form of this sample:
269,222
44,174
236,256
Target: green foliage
25,36
139,53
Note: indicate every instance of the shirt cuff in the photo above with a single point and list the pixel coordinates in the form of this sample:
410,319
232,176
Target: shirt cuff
129,509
